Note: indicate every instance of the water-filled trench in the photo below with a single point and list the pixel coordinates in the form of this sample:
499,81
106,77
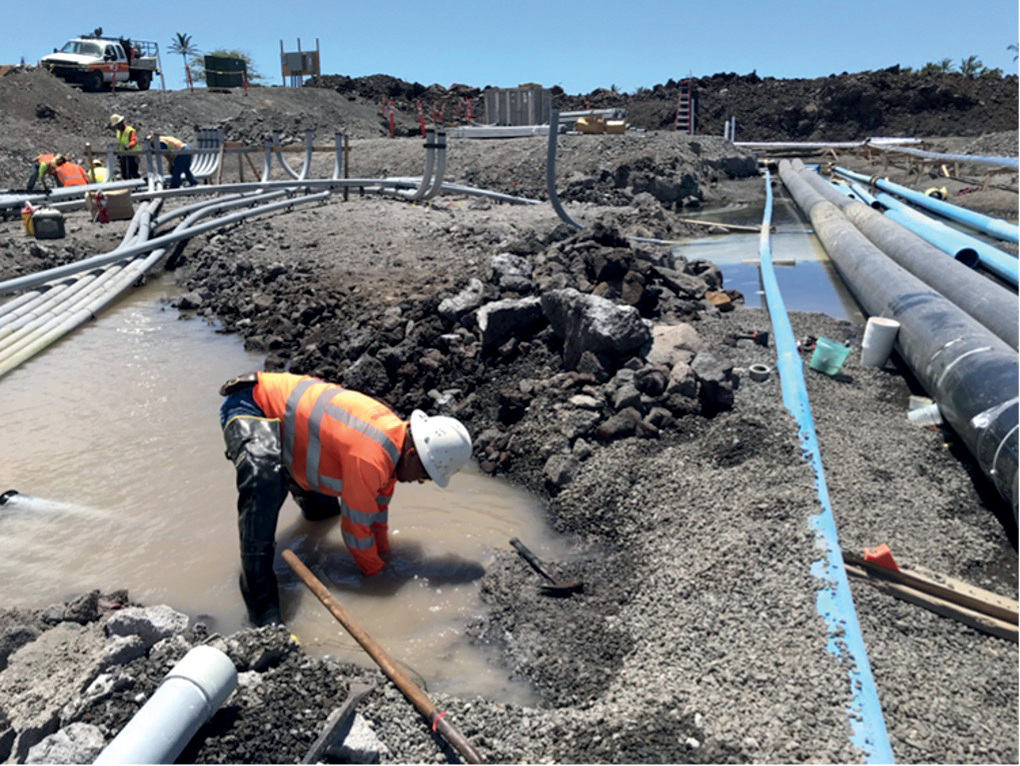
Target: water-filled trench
115,430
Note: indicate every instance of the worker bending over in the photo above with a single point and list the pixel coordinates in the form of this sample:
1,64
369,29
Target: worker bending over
69,173
178,158
338,452
43,165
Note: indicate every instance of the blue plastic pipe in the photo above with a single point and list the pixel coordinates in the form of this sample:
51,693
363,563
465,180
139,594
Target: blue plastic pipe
834,603
993,227
962,247
989,302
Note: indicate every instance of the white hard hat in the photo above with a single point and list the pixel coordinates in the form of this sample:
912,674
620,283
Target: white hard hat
443,445
115,119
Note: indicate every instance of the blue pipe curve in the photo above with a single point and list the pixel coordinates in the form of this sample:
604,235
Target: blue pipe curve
993,227
834,602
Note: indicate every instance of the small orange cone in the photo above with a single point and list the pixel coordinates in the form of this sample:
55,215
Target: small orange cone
882,557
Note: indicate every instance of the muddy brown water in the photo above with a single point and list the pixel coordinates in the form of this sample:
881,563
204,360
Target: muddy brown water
112,438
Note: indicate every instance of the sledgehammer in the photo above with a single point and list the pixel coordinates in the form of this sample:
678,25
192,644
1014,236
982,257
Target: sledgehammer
555,587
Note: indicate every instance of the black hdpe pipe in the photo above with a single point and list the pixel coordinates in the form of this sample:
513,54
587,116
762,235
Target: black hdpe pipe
969,372
991,304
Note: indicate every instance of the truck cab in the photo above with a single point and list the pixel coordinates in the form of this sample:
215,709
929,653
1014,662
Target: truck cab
98,62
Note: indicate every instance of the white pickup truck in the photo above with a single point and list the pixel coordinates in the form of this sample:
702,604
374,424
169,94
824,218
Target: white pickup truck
100,62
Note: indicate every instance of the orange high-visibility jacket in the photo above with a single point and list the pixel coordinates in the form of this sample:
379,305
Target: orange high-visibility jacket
70,174
340,443
45,164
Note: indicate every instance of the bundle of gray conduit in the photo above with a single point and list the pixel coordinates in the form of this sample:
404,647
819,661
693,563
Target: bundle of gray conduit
965,365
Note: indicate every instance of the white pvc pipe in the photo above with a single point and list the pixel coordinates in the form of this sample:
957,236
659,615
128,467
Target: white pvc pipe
187,698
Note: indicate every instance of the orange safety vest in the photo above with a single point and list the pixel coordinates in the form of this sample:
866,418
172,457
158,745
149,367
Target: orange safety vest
341,443
70,174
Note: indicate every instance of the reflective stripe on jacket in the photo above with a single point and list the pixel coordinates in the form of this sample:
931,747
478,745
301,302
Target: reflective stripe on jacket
70,174
127,139
340,443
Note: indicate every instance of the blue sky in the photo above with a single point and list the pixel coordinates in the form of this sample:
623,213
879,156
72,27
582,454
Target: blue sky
577,45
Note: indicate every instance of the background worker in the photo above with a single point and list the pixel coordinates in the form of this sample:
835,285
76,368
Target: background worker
339,453
178,159
127,141
98,173
42,166
69,173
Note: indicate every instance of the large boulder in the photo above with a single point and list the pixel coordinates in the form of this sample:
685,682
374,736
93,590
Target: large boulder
590,323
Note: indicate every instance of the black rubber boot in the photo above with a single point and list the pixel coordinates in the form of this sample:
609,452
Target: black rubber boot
253,444
314,505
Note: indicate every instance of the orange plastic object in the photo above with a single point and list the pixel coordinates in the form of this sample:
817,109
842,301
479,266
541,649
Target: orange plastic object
881,556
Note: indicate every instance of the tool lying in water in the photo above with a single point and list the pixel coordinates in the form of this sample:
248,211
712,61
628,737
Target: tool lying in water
438,721
555,587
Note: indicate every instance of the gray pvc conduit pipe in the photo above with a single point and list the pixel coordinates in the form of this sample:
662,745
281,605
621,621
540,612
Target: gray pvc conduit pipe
426,177
993,227
436,184
31,280
962,247
309,134
969,372
835,601
78,306
550,171
32,327
56,326
29,301
989,303
187,698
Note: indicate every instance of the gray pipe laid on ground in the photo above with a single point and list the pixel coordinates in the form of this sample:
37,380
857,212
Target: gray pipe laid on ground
989,303
969,372
187,698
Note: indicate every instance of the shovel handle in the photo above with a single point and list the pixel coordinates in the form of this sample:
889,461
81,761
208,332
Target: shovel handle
531,558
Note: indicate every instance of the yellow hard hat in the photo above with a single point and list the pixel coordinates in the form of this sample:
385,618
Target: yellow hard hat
115,119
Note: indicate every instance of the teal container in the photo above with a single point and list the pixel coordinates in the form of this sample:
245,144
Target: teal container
224,72
829,356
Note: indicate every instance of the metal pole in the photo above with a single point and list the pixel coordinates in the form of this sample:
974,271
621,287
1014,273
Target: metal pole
411,690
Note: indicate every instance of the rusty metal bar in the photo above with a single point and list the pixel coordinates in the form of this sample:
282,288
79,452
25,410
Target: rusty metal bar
411,690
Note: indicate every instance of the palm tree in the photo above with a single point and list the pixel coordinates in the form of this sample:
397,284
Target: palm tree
182,44
970,66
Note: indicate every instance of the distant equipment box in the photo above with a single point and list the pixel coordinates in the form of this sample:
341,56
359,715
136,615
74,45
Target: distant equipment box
225,72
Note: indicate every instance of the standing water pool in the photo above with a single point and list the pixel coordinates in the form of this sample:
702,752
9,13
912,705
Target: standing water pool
112,438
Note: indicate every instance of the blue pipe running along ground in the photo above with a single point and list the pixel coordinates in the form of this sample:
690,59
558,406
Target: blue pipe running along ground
834,601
